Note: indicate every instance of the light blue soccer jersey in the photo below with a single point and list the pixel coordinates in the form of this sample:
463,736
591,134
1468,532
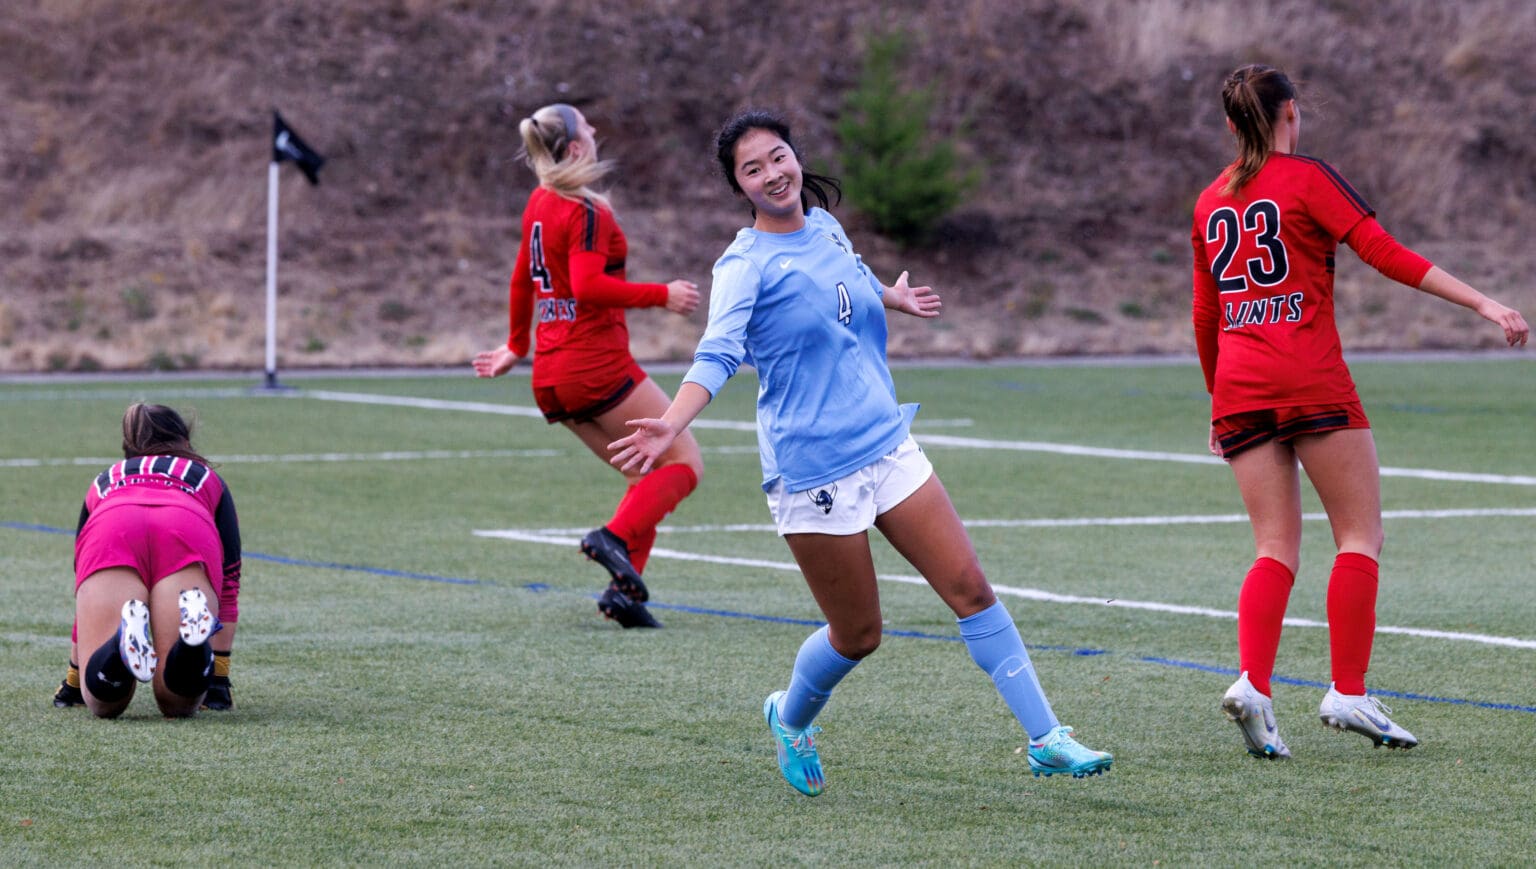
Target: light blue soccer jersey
802,309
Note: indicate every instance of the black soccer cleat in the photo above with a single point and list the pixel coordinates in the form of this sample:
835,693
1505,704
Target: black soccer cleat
68,695
617,606
605,548
218,697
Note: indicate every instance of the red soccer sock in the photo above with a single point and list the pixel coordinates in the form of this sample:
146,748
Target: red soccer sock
640,551
1260,616
1351,619
646,504
640,548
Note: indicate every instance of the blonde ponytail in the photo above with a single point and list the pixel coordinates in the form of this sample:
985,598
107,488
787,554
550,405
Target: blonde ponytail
547,134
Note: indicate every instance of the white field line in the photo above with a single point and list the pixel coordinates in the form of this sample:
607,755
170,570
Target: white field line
546,537
383,456
1095,521
535,413
926,439
473,406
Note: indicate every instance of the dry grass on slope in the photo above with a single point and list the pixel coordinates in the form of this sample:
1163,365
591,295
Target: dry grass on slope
133,161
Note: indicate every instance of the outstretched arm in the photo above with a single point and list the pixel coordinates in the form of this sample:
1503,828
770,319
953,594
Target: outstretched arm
1438,282
590,284
917,301
651,437
1384,253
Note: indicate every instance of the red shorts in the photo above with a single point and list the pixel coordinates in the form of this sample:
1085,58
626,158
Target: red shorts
155,541
1240,431
582,402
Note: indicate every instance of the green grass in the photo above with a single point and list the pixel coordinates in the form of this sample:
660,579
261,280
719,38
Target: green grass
410,693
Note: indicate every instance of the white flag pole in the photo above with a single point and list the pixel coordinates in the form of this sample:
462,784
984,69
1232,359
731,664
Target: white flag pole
272,275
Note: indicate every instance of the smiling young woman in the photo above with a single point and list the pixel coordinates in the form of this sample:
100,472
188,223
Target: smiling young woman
791,298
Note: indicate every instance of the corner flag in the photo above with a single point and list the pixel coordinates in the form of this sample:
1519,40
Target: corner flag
286,145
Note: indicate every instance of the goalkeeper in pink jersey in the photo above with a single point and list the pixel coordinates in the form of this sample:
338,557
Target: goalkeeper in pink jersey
157,551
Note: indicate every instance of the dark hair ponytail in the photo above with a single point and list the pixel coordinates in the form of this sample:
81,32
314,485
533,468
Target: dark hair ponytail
820,187
1252,96
157,430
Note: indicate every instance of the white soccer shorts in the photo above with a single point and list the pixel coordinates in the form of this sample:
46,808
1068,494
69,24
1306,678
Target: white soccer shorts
850,505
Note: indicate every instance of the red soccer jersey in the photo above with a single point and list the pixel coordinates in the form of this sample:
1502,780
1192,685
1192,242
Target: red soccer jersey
569,279
1263,286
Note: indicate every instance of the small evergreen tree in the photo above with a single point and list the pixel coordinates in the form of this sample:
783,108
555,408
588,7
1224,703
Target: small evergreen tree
891,173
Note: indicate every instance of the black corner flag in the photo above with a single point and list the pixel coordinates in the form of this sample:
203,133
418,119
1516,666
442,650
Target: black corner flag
286,145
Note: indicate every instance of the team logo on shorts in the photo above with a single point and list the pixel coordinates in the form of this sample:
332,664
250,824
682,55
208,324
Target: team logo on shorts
823,498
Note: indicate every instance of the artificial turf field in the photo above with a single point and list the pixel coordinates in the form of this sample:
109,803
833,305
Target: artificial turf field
421,677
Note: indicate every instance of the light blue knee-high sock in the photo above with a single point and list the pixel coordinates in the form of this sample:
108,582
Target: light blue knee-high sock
818,669
997,648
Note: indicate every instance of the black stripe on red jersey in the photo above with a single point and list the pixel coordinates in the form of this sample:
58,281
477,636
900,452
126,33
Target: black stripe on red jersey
588,225
162,465
1338,181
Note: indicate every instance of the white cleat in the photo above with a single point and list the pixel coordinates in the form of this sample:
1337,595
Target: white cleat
1255,717
197,623
1365,715
133,641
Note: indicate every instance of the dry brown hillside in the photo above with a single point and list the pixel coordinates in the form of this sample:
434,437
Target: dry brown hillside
135,140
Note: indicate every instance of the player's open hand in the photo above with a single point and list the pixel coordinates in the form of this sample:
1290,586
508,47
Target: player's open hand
643,446
917,301
682,296
494,363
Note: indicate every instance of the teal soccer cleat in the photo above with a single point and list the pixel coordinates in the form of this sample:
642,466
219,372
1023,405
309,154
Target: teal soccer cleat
1059,752
798,759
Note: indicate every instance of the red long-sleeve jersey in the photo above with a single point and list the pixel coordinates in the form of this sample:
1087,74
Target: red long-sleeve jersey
1263,284
569,279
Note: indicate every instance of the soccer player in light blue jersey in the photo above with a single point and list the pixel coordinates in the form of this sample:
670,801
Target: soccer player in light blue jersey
792,299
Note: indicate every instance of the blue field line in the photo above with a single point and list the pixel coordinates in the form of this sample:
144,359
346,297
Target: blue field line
814,623
292,562
733,614
358,568
28,526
